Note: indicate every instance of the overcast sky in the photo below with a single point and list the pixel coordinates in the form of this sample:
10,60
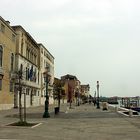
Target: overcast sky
91,39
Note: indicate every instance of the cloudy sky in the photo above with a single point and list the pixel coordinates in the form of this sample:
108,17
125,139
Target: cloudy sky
92,39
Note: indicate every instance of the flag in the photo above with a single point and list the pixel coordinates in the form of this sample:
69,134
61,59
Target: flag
34,76
31,73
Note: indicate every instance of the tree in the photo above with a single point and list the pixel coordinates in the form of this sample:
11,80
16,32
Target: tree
58,93
18,80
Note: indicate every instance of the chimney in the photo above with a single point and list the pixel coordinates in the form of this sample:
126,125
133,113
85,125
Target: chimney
8,22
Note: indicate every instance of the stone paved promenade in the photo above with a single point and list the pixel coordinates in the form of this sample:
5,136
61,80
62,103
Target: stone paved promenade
84,122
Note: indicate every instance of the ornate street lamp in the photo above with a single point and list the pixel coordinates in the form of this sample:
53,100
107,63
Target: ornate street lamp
46,78
98,104
94,98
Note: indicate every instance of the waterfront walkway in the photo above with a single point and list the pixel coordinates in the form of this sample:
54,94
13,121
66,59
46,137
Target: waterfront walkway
84,122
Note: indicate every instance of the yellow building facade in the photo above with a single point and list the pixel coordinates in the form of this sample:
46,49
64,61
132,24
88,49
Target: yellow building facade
22,64
7,64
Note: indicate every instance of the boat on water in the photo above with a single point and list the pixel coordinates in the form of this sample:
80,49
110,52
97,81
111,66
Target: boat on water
136,108
131,103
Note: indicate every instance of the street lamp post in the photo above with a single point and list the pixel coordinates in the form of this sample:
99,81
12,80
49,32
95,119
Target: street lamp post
98,104
46,77
94,98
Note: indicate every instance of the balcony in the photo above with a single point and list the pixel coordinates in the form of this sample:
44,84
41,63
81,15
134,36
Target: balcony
31,84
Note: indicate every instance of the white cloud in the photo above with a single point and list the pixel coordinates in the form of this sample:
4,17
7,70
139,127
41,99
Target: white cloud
94,39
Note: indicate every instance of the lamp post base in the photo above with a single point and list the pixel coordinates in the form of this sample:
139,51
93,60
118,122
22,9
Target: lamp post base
98,106
78,104
46,115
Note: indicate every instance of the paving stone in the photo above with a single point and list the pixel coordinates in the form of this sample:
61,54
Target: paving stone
82,122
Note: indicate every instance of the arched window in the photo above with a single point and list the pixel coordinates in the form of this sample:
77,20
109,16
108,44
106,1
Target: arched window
38,77
22,48
27,53
12,62
31,57
21,70
35,58
26,73
1,55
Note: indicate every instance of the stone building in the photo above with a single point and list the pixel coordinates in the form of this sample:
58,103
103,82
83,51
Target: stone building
46,60
28,61
85,90
22,64
70,86
7,64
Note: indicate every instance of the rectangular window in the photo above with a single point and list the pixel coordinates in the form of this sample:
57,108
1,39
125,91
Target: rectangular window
11,86
26,73
13,38
27,91
12,62
38,77
0,84
31,58
27,53
35,59
34,92
41,63
22,48
1,55
2,28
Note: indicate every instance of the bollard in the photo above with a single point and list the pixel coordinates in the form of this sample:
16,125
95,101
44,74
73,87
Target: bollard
56,110
130,113
104,105
116,108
